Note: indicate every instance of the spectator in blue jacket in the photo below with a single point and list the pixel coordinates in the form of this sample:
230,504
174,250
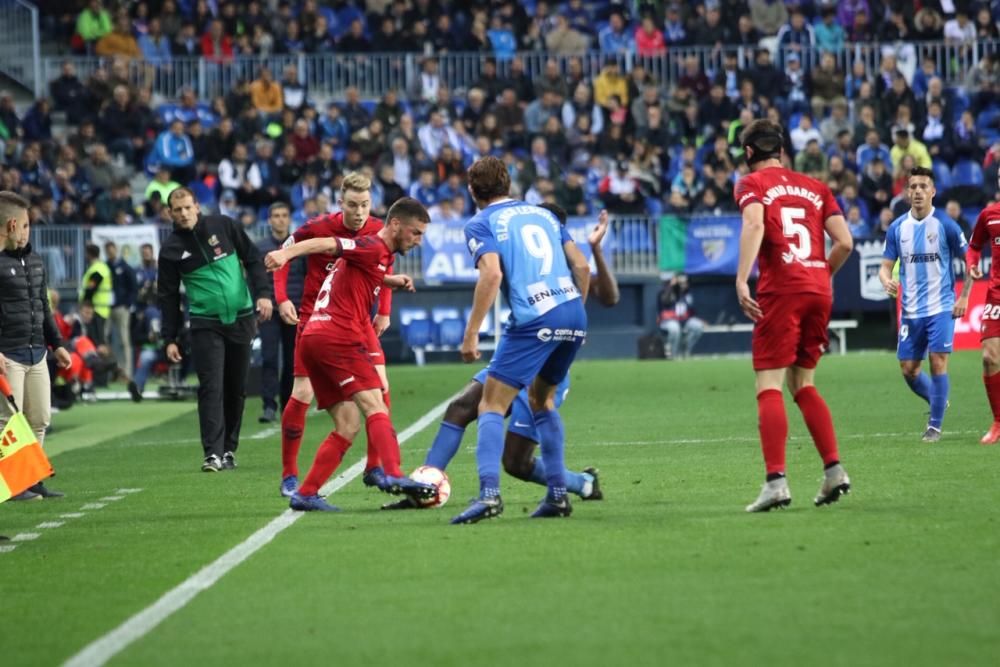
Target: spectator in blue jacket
616,38
830,35
173,148
796,37
155,46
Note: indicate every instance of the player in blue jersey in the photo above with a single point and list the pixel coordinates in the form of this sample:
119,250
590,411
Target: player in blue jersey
523,250
522,437
925,241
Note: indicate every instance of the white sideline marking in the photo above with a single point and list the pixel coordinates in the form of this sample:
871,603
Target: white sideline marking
110,499
754,438
50,524
72,515
104,648
93,506
25,537
7,548
128,490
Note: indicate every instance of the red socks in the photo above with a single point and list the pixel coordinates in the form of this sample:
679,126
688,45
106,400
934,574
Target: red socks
773,425
293,421
992,384
819,422
382,437
373,459
328,457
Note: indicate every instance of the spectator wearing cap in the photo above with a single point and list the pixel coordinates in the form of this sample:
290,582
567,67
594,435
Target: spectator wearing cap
768,15
674,32
906,145
616,38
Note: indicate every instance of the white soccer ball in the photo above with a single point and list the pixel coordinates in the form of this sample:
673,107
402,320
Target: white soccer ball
431,475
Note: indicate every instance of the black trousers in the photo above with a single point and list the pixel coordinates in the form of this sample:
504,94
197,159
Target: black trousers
221,360
277,347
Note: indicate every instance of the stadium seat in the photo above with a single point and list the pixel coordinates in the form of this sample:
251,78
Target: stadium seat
444,318
417,334
408,315
450,332
967,173
942,176
486,328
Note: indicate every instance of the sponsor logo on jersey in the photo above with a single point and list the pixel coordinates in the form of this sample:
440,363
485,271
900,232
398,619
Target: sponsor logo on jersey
184,255
347,381
544,335
213,240
347,244
745,197
545,295
923,258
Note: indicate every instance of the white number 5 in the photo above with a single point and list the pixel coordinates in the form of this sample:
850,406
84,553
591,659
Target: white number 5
802,247
537,243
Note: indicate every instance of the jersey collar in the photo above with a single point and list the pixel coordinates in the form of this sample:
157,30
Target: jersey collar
924,219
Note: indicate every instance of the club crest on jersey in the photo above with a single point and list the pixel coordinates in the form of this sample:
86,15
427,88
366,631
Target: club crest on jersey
713,249
932,237
347,244
474,246
213,240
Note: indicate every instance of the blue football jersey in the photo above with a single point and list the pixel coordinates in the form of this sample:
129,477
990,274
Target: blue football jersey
529,241
925,250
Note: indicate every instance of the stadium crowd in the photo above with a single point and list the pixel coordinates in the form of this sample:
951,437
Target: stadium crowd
620,140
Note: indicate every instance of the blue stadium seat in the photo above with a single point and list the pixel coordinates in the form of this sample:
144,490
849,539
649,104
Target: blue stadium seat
417,334
967,172
450,333
486,329
942,176
409,315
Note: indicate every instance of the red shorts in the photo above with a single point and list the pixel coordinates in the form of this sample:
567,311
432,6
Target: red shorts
990,320
793,331
374,351
337,372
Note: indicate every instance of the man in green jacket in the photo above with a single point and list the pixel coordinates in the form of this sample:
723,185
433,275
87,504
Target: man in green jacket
209,254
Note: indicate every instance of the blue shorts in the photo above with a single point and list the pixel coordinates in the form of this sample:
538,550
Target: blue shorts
544,347
919,334
522,420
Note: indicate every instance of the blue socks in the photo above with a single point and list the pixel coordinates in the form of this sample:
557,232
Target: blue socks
921,386
552,435
445,445
574,480
939,399
489,450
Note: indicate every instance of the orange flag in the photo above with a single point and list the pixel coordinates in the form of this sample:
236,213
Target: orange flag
22,461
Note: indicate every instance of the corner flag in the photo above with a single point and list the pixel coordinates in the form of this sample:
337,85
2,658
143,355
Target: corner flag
22,461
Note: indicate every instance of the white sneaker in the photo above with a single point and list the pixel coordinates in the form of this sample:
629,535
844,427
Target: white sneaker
773,495
836,483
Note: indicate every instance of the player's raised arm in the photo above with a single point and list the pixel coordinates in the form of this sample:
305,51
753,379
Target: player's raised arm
278,258
843,243
579,266
604,286
751,237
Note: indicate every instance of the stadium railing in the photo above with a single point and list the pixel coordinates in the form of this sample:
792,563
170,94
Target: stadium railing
328,75
632,250
20,45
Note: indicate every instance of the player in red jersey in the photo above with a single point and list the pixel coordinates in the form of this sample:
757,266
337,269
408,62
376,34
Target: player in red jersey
784,217
334,347
352,222
987,230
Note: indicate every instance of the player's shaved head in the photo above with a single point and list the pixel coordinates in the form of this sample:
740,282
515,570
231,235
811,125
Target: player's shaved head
762,140
489,180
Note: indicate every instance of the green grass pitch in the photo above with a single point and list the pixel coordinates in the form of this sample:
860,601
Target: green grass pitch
667,570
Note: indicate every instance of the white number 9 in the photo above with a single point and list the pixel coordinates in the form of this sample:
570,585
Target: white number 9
537,243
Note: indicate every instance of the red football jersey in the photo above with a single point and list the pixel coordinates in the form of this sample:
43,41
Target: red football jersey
346,297
987,230
318,266
792,257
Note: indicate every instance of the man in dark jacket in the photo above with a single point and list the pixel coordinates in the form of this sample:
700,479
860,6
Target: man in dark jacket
27,328
277,338
209,254
126,291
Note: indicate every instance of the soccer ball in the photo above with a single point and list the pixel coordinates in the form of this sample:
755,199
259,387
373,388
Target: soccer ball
431,475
